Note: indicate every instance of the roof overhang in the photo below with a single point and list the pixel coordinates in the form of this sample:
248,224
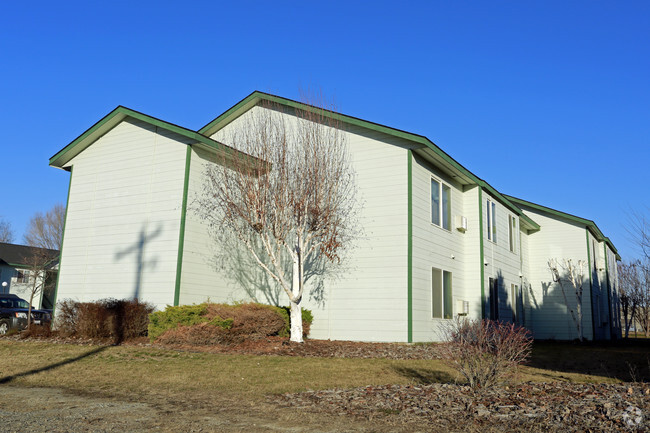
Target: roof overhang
63,157
588,224
419,144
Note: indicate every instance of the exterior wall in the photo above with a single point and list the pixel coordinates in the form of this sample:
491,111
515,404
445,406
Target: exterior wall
436,247
203,277
546,312
614,300
123,217
500,263
367,300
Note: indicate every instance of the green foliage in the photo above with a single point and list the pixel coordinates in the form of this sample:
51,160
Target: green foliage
235,322
172,317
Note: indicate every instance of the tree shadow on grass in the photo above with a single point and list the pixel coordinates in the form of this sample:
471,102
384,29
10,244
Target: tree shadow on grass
424,376
8,379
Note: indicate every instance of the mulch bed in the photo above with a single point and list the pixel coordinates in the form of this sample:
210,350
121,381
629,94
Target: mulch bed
526,407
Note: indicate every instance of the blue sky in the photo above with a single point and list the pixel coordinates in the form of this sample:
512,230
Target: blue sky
546,100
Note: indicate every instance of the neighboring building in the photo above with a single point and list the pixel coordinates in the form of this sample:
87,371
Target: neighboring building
24,269
439,241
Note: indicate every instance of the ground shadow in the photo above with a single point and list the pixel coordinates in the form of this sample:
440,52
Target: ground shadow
628,361
8,379
424,376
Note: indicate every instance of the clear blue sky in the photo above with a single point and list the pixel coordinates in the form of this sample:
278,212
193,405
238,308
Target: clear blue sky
546,100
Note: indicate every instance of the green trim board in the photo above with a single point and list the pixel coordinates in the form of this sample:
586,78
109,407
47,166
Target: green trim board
409,282
481,252
116,116
589,224
181,235
65,221
257,96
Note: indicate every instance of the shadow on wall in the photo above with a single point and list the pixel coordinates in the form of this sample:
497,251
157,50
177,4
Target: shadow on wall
232,258
136,252
549,317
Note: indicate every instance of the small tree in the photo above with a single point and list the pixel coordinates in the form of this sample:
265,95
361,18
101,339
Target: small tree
46,230
484,352
293,205
38,265
6,232
630,284
570,277
643,310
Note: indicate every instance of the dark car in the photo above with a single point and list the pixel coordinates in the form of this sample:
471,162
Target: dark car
13,314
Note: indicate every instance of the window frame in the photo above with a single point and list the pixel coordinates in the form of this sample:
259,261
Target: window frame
513,229
22,276
445,300
444,212
491,221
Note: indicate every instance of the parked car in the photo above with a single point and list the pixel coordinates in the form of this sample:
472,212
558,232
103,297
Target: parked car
13,314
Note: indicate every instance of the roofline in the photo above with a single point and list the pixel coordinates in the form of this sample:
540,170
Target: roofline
94,132
256,96
589,224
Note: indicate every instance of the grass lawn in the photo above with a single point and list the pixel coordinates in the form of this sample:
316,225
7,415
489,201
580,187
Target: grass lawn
232,382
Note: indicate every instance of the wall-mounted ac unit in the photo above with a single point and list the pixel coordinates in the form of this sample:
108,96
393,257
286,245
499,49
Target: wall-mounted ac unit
462,308
461,223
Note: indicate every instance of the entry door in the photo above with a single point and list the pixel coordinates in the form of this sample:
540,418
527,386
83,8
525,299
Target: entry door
494,299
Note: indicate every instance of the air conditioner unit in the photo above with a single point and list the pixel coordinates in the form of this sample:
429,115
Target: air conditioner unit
462,308
461,223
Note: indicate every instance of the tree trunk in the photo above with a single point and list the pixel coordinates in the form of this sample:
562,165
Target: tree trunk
296,309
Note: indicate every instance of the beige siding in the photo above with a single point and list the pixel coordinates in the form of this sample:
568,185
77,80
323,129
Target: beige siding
500,262
368,300
547,313
436,247
123,218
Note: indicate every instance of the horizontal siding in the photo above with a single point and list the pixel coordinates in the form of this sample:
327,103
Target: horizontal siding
546,311
123,218
366,300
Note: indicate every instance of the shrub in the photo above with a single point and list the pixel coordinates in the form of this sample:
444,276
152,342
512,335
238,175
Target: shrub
210,323
485,352
115,319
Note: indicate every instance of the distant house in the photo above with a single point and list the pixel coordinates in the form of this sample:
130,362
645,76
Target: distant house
439,241
21,264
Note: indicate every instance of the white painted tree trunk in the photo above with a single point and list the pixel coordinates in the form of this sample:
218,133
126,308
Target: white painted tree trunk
296,309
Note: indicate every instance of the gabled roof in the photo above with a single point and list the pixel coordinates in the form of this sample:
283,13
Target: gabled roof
422,145
19,255
589,224
105,124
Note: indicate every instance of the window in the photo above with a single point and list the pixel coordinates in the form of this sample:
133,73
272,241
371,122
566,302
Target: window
442,303
514,301
22,276
440,204
491,221
512,233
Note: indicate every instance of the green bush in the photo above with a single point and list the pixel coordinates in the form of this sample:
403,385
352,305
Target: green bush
172,317
210,323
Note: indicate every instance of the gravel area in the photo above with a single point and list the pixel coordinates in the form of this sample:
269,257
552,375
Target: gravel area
528,407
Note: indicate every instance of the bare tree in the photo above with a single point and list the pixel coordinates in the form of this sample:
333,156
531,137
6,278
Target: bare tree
570,277
6,232
38,265
46,230
643,310
293,206
630,282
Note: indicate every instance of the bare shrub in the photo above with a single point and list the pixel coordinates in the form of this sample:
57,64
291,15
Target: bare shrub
485,352
113,319
38,331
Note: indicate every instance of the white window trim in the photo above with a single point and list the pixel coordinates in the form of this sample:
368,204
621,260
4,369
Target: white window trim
442,294
440,205
491,221
512,233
